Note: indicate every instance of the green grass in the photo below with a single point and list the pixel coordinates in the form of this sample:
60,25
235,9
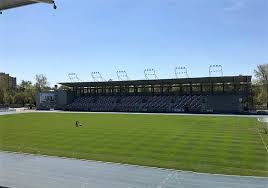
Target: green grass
226,145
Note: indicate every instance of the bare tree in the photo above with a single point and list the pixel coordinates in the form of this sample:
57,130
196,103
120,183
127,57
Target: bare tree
41,82
261,74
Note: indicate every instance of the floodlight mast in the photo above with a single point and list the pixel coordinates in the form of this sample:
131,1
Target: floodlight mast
150,72
122,75
73,77
215,69
181,72
97,77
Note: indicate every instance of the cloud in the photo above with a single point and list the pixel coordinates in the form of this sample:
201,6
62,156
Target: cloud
235,5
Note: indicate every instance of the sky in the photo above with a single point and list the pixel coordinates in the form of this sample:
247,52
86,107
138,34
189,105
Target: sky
84,36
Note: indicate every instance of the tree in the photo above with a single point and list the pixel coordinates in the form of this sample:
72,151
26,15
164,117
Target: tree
26,84
5,97
11,99
1,97
41,82
29,92
19,98
4,91
261,92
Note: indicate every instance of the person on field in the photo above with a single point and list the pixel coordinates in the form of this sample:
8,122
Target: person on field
77,124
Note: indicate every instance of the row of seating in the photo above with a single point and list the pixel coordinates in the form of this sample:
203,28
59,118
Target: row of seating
137,103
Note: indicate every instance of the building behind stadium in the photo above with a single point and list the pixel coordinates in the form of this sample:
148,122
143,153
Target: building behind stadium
8,81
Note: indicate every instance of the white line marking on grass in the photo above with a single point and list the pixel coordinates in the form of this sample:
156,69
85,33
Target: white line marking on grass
262,120
263,141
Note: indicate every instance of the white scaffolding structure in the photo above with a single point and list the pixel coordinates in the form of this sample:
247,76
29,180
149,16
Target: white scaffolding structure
73,77
97,77
122,75
148,73
215,69
181,72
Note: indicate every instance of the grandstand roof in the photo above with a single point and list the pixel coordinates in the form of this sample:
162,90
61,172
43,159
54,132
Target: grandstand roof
7,4
200,80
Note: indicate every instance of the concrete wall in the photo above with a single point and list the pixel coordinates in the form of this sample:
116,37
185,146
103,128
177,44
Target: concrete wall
63,98
224,103
45,100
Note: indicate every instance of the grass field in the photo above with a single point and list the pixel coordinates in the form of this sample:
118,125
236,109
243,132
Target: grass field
226,145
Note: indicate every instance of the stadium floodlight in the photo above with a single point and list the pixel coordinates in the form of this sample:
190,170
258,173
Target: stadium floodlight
150,73
122,75
97,77
8,4
73,77
181,72
215,69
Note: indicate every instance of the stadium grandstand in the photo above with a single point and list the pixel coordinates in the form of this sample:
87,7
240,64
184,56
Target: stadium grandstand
224,94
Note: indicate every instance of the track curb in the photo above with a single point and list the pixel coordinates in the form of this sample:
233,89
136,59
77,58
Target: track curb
132,165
